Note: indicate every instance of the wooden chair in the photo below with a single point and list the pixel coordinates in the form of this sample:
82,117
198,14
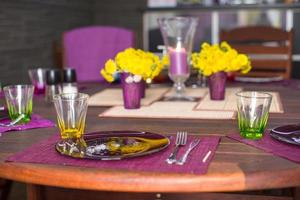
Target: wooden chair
270,49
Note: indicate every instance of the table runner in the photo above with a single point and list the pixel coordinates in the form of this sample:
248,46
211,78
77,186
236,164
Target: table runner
35,122
168,109
45,153
113,97
229,103
270,145
192,92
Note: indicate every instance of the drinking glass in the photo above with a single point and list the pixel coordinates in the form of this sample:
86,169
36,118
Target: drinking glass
71,109
38,79
19,101
178,34
253,112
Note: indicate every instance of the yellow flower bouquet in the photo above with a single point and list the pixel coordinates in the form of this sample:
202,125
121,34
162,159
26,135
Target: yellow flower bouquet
138,63
215,61
216,58
134,66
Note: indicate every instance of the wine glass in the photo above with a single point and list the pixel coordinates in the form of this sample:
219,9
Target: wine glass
178,34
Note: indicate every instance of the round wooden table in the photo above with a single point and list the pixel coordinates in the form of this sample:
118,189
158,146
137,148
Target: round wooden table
235,167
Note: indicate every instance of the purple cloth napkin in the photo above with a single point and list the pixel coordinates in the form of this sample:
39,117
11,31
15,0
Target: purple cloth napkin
271,145
45,153
35,122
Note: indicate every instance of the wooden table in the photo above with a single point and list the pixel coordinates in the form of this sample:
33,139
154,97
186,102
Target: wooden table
235,167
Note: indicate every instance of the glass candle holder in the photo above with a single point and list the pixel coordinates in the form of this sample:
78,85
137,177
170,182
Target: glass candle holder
178,34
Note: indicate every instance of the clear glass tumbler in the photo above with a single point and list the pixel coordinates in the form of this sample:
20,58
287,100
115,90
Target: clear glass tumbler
71,109
253,112
178,35
19,101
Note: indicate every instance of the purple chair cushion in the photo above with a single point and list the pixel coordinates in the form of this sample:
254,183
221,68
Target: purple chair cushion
87,49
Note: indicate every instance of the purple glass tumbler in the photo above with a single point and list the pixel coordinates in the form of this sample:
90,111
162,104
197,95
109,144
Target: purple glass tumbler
217,83
38,79
131,92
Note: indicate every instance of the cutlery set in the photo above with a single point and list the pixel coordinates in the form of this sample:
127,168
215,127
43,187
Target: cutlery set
13,122
181,140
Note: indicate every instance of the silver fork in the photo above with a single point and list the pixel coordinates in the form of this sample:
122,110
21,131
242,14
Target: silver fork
14,121
181,138
192,145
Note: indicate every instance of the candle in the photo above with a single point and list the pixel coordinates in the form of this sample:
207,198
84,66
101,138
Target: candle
178,61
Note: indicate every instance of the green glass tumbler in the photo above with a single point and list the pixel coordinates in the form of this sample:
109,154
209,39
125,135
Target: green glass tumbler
253,112
19,101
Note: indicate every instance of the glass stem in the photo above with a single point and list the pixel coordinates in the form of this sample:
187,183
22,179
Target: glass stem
179,87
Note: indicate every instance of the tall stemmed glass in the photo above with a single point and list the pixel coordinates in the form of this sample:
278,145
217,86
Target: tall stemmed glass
178,34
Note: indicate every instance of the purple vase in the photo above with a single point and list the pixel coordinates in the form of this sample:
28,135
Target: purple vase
143,88
217,82
131,93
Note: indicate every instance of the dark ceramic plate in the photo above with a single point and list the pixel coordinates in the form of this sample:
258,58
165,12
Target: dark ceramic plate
117,145
287,133
287,129
258,79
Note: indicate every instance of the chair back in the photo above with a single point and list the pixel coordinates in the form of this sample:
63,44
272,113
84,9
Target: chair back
269,48
87,49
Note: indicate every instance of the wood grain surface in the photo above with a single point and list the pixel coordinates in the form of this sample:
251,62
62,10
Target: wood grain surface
236,166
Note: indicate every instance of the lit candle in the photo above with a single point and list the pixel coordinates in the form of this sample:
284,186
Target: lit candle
178,61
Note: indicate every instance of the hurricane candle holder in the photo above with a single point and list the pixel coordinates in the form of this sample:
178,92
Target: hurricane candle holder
178,34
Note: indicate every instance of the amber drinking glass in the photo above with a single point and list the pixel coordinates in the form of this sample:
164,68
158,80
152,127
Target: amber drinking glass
71,109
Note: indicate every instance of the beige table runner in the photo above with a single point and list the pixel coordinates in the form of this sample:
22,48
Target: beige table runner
167,109
113,97
229,104
204,109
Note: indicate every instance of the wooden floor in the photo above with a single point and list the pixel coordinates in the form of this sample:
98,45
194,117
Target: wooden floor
18,192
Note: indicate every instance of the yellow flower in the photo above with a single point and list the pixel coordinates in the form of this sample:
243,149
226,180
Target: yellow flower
215,58
110,67
107,76
134,61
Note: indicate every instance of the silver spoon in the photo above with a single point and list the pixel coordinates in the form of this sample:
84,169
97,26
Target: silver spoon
192,145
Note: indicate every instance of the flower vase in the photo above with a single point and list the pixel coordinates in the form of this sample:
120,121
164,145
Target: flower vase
143,88
217,83
131,92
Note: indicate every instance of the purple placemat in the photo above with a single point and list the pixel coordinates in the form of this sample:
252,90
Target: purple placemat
294,84
35,122
44,152
270,145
